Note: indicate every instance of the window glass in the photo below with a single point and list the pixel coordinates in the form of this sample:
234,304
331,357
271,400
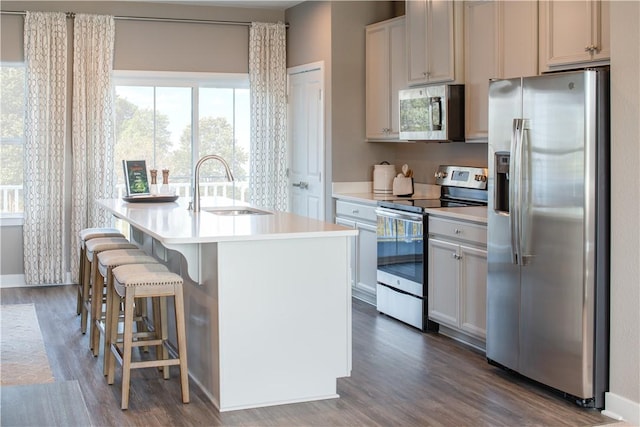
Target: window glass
12,96
154,123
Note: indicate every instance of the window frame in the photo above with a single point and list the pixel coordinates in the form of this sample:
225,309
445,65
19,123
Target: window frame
14,219
194,80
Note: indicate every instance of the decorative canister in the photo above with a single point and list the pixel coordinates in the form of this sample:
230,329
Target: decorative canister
383,175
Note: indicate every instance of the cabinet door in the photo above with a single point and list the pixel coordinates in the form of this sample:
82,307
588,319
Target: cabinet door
416,29
573,32
517,39
385,76
473,291
480,66
443,282
353,266
377,82
398,78
600,31
440,41
367,253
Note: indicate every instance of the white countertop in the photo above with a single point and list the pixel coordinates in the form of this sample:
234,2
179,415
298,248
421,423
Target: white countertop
172,223
467,213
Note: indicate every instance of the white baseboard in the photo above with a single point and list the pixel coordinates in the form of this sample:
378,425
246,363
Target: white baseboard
621,408
17,281
12,280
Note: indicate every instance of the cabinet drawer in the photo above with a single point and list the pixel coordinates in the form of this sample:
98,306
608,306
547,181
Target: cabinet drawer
356,210
458,230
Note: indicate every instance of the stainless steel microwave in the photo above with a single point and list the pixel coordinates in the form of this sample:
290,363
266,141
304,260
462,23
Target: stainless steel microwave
432,113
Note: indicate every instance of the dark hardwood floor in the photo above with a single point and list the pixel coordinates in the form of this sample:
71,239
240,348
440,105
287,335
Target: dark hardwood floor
400,377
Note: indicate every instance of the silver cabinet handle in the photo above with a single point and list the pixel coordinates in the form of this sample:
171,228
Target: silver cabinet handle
303,185
355,211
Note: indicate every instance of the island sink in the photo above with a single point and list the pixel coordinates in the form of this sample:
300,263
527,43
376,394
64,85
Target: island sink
236,210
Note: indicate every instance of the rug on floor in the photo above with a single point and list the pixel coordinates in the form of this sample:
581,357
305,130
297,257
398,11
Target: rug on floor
23,359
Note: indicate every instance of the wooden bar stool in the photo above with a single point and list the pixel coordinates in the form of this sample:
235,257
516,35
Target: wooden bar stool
93,283
107,261
132,282
88,234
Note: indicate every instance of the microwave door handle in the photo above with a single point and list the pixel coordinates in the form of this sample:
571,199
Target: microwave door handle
435,106
514,191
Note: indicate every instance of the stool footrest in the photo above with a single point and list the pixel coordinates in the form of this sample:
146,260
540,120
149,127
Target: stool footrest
155,363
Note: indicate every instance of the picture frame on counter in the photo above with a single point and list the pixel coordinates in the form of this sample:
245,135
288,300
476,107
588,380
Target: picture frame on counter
136,178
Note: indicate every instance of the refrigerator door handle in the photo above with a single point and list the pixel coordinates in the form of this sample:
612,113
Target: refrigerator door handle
514,191
525,194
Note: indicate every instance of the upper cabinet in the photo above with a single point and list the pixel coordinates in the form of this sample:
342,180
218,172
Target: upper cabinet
573,33
500,41
385,76
434,41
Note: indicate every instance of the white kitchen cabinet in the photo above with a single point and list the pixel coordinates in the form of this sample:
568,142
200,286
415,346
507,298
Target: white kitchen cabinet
457,278
574,34
434,41
500,40
364,250
385,76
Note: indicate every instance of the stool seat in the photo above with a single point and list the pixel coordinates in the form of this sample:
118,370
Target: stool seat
146,281
117,257
93,233
156,276
107,261
84,235
100,244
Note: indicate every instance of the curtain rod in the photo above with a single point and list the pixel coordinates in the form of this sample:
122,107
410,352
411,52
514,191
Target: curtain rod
146,18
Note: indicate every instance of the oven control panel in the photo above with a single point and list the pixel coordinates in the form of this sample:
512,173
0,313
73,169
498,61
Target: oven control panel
462,176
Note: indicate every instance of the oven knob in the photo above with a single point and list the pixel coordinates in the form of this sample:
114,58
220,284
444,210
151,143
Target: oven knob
440,174
481,178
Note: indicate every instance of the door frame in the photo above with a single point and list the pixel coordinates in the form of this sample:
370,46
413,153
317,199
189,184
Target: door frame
304,68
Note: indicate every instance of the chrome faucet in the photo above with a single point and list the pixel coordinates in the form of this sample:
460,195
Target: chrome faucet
195,205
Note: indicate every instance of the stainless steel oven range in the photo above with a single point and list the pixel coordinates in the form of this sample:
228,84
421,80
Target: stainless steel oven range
401,289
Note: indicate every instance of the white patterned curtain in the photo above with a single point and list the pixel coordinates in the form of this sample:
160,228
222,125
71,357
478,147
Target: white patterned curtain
92,125
268,84
45,51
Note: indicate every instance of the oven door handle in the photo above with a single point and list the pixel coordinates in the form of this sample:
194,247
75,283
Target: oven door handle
396,215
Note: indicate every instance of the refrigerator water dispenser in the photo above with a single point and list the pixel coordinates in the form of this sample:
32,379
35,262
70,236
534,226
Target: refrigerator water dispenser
502,182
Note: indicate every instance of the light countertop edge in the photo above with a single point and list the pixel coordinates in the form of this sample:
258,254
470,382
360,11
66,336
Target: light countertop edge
468,213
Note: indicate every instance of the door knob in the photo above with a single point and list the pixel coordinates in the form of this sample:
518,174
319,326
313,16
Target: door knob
302,185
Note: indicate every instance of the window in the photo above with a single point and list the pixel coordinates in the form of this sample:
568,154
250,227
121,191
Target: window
12,94
172,119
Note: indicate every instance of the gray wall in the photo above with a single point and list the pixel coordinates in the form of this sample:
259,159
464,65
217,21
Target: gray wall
625,202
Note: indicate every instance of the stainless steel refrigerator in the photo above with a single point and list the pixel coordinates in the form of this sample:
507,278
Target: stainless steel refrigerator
548,231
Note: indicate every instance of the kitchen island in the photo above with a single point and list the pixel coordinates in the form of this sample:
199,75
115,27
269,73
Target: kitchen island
267,298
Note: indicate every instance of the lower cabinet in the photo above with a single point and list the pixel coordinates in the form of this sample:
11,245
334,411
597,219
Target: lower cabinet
364,250
457,279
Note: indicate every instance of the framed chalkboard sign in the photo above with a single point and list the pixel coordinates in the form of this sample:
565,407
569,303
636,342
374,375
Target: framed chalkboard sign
135,177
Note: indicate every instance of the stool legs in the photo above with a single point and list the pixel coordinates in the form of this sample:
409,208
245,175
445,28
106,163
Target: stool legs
80,280
161,335
182,342
86,280
127,349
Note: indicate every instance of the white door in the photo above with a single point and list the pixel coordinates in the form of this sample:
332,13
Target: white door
306,140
